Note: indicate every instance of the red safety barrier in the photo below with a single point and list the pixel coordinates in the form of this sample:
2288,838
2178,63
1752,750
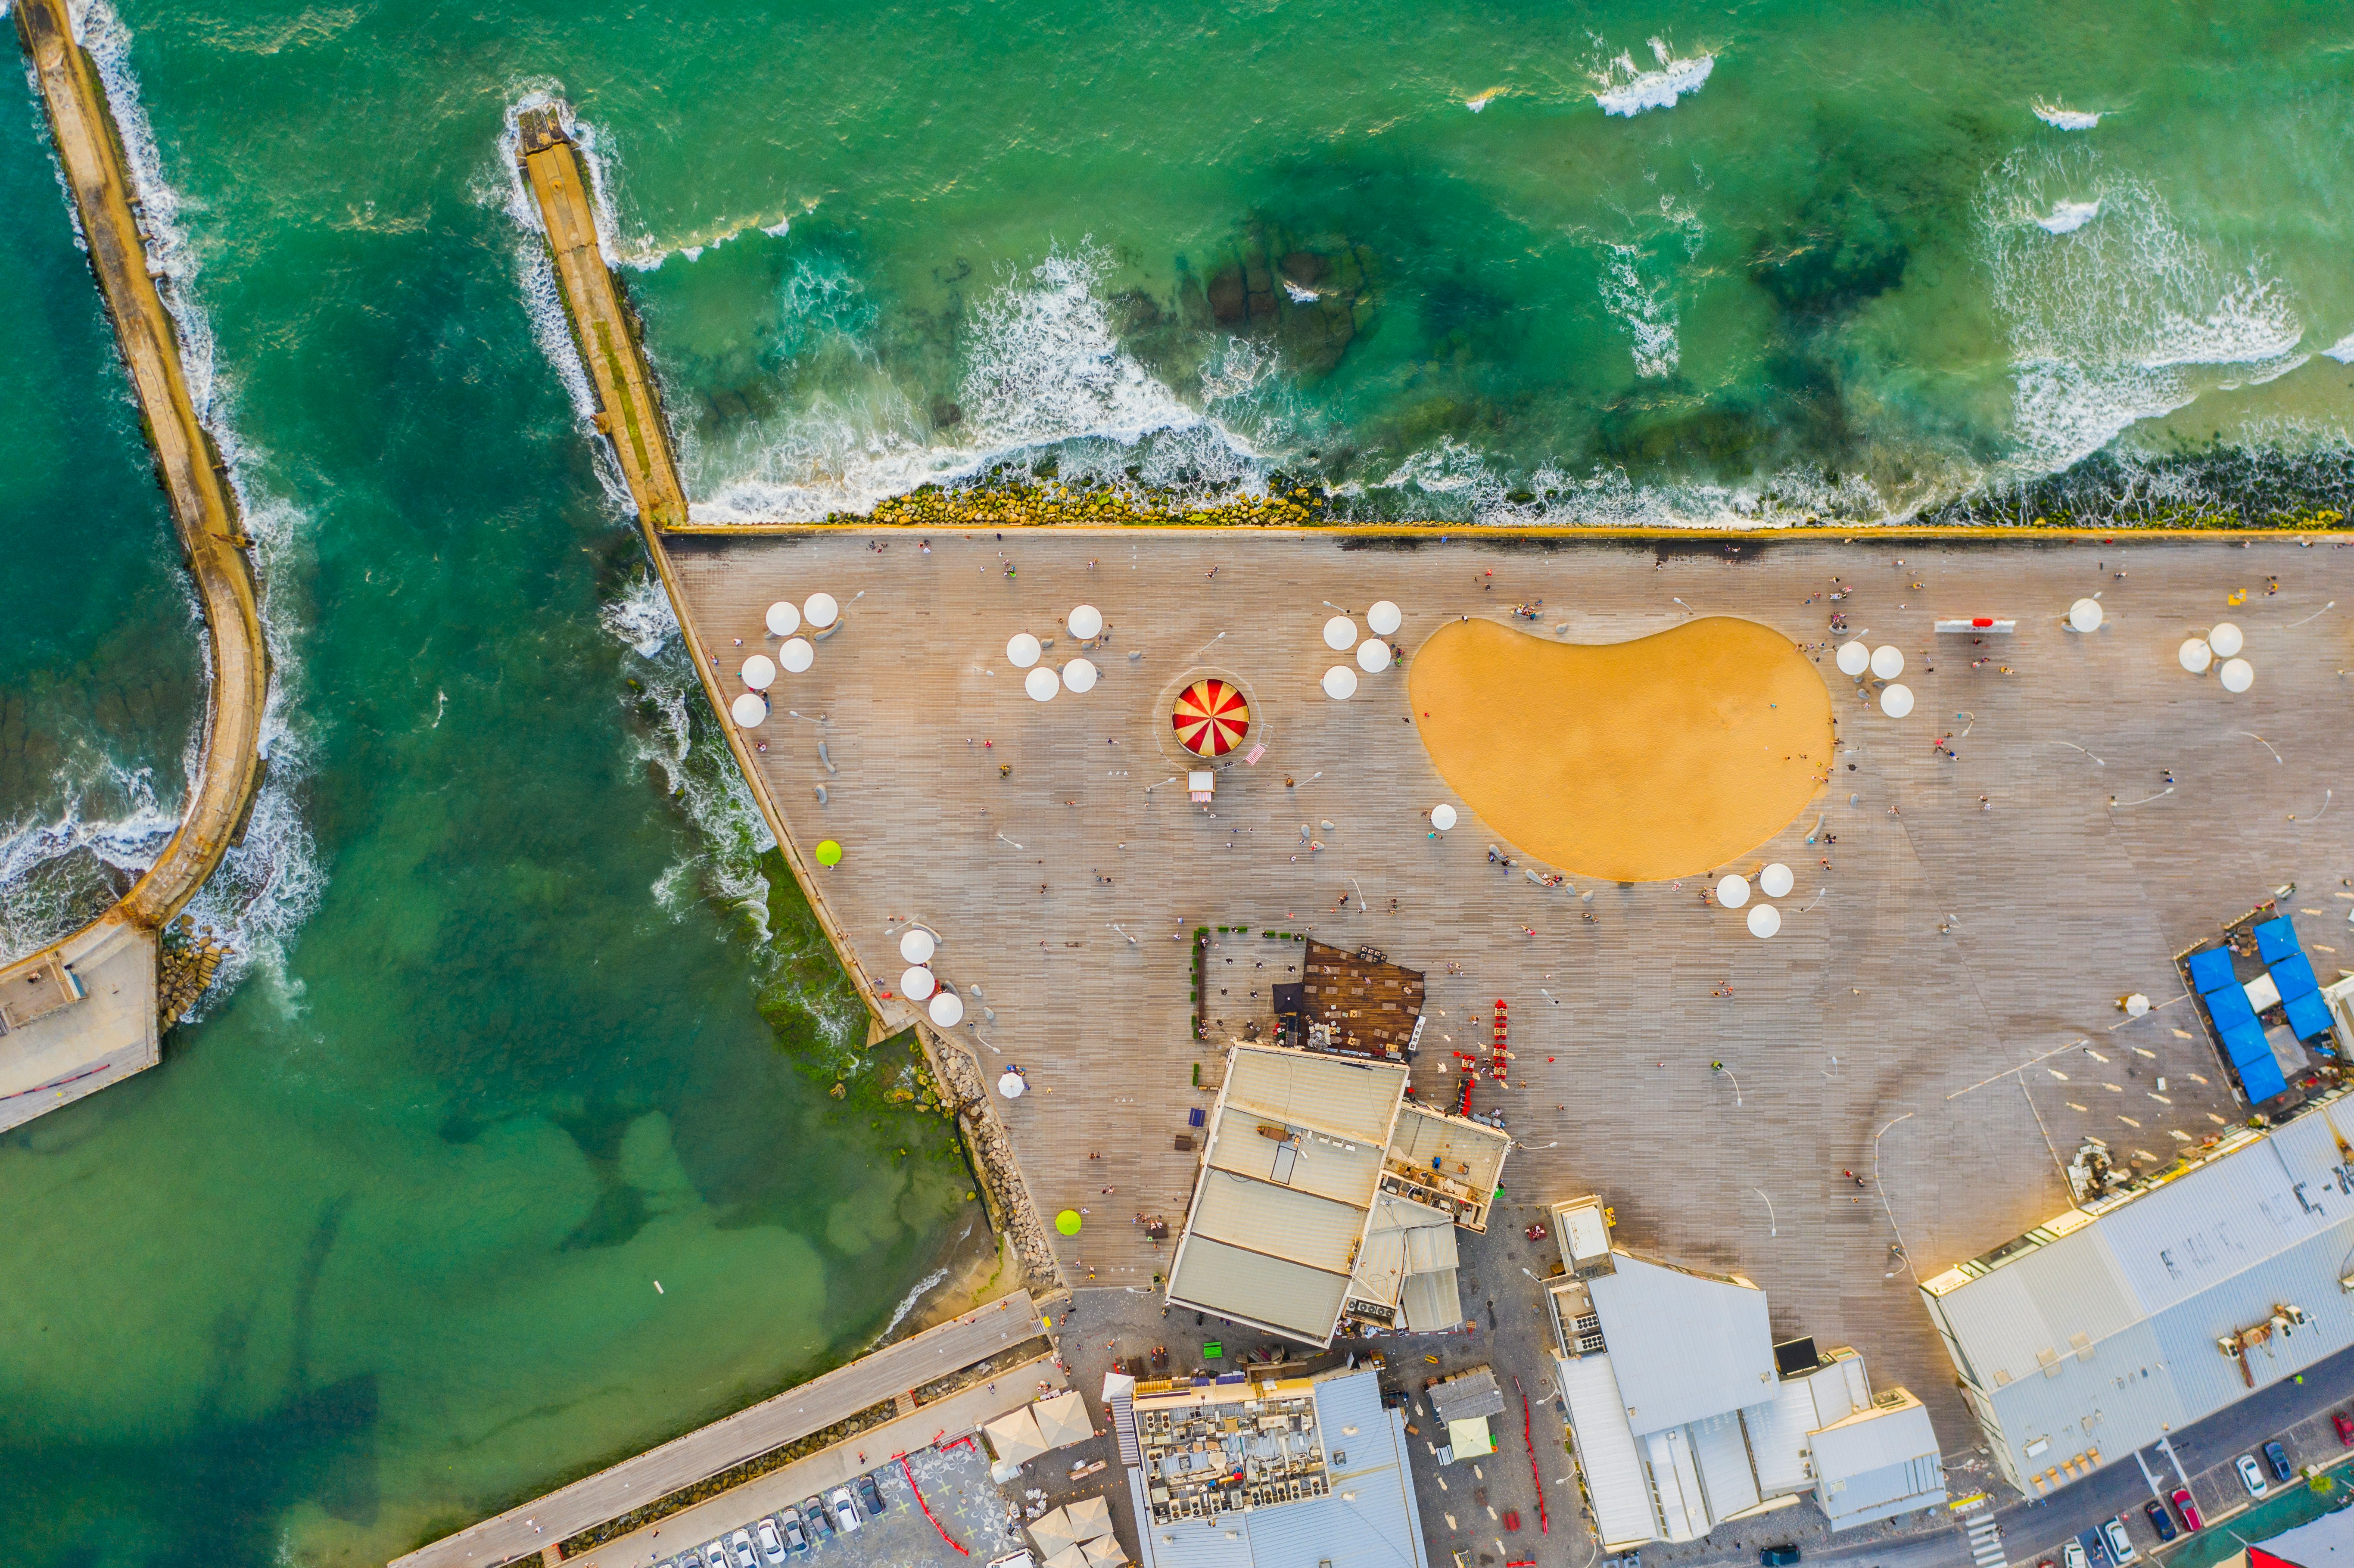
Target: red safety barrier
1529,1437
928,1508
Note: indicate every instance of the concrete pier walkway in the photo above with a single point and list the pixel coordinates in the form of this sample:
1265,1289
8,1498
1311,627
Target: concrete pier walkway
54,1034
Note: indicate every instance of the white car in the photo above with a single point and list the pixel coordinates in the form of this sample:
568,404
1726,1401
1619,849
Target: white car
714,1555
845,1511
2072,1554
2251,1478
2121,1546
772,1545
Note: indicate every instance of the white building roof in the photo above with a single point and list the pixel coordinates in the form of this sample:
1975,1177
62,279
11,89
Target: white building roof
1879,1462
1607,1452
1685,1345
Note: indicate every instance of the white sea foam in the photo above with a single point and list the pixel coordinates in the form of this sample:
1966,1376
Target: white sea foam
2119,321
2068,217
1647,310
2067,119
1042,368
1476,104
1625,88
2342,351
269,881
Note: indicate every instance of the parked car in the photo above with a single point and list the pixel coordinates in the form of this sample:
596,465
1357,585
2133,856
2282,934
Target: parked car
2121,1546
795,1530
772,1544
2249,1477
2160,1520
2181,1497
714,1555
846,1512
869,1495
2072,1554
1780,1556
813,1515
2345,1425
2277,1456
740,1543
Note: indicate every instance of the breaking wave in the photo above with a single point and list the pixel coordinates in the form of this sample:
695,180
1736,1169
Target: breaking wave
269,881
1625,88
2066,119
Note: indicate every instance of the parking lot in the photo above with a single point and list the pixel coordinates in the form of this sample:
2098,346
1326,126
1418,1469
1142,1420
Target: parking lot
956,1486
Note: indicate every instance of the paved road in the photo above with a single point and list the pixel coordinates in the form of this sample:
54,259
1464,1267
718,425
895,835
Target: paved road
773,1423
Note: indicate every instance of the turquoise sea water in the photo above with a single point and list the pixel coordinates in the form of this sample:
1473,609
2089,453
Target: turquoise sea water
527,1019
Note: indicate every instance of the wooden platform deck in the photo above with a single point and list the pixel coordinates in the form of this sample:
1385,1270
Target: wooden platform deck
1951,938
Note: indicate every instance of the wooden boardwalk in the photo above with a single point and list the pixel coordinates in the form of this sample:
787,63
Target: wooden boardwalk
755,1430
1948,941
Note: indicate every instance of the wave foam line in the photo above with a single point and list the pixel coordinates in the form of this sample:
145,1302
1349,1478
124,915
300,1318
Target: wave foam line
2067,119
1627,89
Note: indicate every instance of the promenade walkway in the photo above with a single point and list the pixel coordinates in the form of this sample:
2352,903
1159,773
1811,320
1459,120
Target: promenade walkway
789,1416
204,511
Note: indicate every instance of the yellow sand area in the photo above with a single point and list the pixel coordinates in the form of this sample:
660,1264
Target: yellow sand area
1636,761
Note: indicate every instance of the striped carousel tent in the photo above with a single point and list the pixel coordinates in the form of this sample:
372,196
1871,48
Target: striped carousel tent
1211,717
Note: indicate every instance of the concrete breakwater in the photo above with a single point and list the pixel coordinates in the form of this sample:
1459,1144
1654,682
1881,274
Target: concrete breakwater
55,1045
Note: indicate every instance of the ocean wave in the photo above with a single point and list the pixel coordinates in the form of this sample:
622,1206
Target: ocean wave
1042,371
2109,320
2067,119
2342,351
269,883
1453,481
1625,88
2068,217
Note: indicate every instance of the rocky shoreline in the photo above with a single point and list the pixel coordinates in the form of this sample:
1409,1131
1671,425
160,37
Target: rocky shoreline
1007,1197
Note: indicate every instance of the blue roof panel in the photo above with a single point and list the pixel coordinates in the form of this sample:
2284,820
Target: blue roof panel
2276,940
2262,1078
2210,971
2244,1043
2230,1006
2308,1015
2294,975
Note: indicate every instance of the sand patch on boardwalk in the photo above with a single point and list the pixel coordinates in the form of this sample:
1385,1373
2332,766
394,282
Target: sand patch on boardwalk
1637,762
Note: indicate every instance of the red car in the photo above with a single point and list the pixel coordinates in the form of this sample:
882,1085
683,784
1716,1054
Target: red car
2186,1508
2345,1429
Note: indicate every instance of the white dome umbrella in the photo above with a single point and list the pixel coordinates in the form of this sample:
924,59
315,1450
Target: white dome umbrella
2084,615
2238,675
759,672
1021,651
796,656
1081,675
2136,1005
2196,655
1731,891
1854,658
1384,619
1339,633
1011,1086
1086,622
1373,655
1887,661
1339,683
948,1009
2225,639
1896,701
819,610
1442,816
747,710
1764,920
1777,880
915,945
916,984
784,618
1042,683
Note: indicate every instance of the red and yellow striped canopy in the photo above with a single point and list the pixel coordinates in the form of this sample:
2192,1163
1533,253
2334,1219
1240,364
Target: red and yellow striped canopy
1211,717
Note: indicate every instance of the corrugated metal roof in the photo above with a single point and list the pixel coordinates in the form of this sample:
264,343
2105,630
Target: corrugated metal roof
1778,1439
1685,1346
1607,1452
1473,1394
1285,1295
1431,1303
1873,1439
1675,1481
1721,1452
1279,1221
1320,1164
1352,1100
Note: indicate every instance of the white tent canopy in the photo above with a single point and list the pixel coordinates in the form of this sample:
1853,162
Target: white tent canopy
1081,675
1339,683
2225,639
2238,675
1086,622
1777,880
1063,1419
819,610
1103,1552
916,984
1051,1530
948,1009
1068,1557
1340,633
918,945
1887,661
1042,683
2196,655
1090,1517
1021,651
759,672
1442,816
1016,1436
1384,619
1373,655
796,656
1764,920
747,710
1854,658
1731,891
1896,701
2084,615
784,618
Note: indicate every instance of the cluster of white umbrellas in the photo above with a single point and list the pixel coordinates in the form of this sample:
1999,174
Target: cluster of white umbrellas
917,946
798,653
2222,642
1383,620
1024,650
1774,882
1884,662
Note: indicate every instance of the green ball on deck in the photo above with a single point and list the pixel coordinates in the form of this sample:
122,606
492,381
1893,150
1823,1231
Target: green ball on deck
829,853
1068,1222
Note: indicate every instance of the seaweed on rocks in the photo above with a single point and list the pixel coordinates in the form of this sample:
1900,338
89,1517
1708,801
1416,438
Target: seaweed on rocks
2216,485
